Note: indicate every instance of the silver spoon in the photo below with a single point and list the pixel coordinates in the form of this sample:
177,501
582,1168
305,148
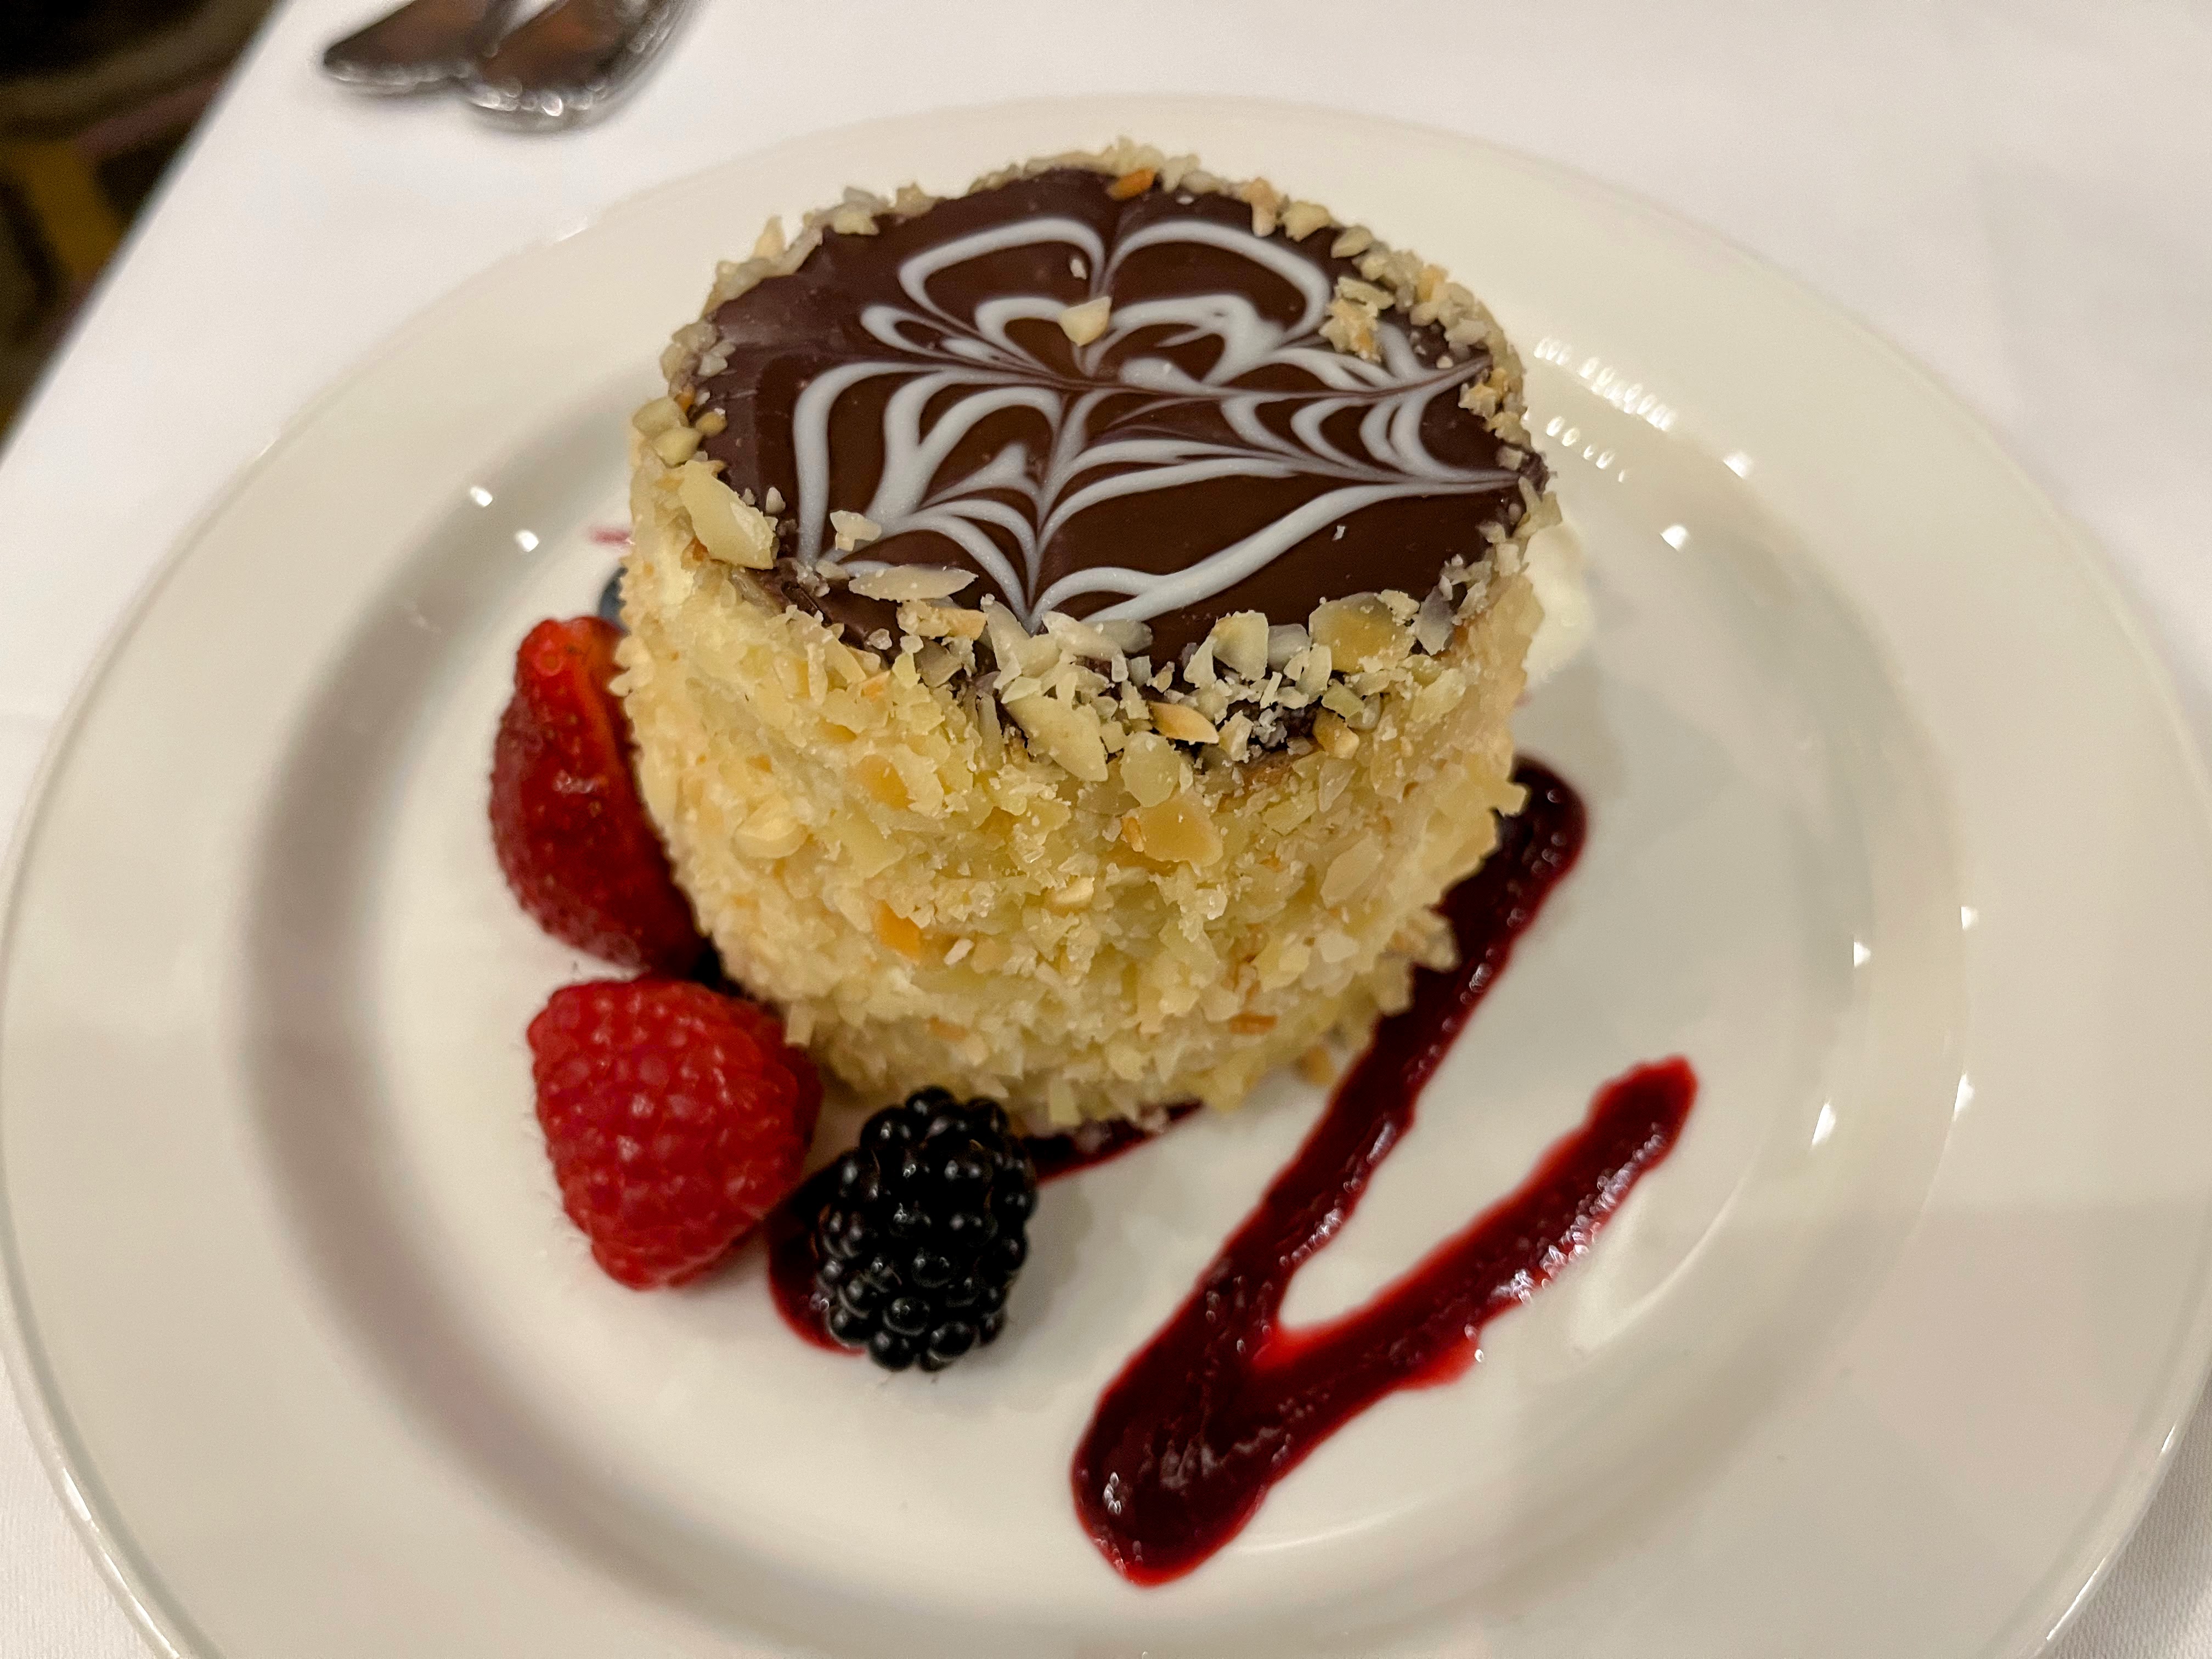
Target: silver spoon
569,63
426,43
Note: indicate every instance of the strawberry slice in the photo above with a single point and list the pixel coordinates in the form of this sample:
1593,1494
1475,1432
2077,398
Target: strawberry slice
572,836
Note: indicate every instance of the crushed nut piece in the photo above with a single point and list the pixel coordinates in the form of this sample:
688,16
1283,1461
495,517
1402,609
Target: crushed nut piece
1359,632
1345,702
1069,733
1182,723
1132,183
1150,769
1079,638
1334,736
675,446
1075,896
770,833
940,622
1352,870
1179,831
1349,327
661,415
728,529
912,581
881,779
853,530
1084,323
899,932
1267,203
1239,643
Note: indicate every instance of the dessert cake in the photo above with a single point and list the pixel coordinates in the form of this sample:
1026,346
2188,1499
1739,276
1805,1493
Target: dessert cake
1073,628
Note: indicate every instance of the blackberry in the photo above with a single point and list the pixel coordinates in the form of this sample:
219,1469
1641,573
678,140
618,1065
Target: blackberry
926,1225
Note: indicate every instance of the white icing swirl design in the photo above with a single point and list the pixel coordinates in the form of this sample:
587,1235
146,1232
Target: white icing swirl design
986,370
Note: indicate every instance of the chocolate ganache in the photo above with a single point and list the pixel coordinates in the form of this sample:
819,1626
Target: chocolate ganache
1209,451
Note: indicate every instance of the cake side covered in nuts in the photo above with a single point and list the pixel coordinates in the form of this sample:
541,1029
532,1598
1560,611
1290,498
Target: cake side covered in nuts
1054,796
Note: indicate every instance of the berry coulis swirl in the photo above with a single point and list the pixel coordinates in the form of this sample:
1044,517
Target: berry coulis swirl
1224,1401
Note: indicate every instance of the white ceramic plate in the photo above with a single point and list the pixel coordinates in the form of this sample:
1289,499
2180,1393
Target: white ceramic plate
1895,835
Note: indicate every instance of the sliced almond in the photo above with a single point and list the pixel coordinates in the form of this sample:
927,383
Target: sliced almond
1068,732
1352,870
1347,702
1359,632
940,622
1128,634
770,833
901,582
1240,643
726,527
1182,723
882,780
1179,830
1151,769
1079,638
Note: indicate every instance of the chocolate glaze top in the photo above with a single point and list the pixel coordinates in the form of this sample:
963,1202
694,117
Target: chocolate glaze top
1208,452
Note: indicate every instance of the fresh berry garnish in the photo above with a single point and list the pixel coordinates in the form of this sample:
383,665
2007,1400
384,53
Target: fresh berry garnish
926,1224
609,607
571,834
676,1119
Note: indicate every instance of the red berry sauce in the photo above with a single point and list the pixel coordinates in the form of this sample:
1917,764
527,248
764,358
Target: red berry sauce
1095,1143
1224,1401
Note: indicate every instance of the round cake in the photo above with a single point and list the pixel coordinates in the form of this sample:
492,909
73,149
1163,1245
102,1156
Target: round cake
1075,627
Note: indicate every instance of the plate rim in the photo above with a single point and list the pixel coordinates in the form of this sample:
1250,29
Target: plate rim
160,1618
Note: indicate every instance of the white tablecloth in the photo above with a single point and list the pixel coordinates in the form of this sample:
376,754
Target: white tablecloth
2021,195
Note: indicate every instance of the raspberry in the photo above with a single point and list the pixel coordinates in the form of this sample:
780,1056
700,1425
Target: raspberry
572,836
676,1118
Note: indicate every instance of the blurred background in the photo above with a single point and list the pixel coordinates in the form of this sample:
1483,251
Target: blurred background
96,98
